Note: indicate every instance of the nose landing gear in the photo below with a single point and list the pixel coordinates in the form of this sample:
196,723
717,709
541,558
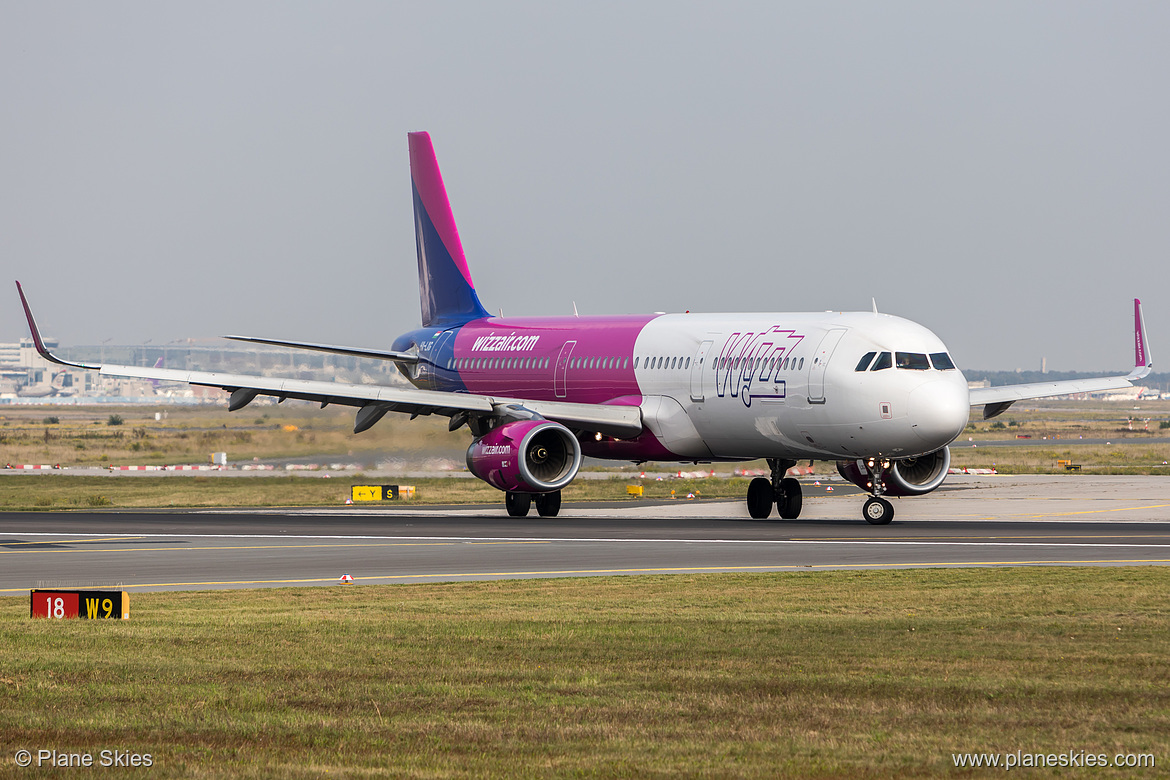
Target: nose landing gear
877,510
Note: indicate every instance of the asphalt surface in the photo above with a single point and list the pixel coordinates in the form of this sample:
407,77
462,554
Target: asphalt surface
986,521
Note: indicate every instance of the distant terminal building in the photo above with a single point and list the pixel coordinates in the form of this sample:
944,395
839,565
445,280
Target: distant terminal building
26,377
30,358
10,354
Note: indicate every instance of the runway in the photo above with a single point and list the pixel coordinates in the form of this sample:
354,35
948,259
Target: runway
994,521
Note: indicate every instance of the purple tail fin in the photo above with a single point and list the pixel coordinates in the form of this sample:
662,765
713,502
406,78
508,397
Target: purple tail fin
1141,349
445,287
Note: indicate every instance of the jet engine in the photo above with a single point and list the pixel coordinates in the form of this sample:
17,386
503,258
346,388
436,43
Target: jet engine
526,456
903,477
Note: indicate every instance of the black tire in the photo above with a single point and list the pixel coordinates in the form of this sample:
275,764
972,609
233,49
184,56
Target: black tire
878,511
790,499
760,498
548,504
518,504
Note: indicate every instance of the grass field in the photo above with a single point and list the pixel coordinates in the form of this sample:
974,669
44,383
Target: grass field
54,491
1116,458
833,674
82,436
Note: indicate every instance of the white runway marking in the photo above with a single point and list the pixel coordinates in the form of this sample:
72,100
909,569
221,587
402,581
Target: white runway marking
65,537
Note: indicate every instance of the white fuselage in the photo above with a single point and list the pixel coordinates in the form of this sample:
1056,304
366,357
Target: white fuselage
722,386
785,385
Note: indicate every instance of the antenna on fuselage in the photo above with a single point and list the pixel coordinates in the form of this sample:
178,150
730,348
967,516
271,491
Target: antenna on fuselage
575,314
875,311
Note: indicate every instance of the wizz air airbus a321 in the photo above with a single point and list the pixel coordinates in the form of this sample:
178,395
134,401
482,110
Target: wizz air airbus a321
878,394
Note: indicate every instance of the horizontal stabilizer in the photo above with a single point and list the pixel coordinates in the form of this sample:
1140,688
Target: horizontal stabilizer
373,354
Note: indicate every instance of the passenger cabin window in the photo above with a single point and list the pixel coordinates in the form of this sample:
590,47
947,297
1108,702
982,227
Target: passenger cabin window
916,361
884,360
942,361
866,359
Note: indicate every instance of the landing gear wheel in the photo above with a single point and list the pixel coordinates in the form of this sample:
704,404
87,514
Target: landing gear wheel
760,498
878,511
518,504
789,499
548,504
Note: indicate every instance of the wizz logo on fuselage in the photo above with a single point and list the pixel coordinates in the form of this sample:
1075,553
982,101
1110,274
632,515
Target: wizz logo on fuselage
753,360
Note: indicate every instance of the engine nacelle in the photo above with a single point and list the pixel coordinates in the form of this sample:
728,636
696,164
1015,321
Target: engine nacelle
904,477
526,456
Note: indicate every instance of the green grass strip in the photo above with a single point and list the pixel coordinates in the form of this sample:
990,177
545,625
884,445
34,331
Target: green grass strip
833,674
56,491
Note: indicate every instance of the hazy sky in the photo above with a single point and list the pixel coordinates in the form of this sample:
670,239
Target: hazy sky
996,171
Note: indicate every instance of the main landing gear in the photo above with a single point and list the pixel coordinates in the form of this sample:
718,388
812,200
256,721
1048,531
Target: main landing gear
782,491
547,504
877,510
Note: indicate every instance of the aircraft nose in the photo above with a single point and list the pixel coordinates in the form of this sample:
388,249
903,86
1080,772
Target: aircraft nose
938,410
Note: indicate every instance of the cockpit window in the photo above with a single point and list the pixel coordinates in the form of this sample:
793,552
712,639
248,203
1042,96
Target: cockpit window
866,359
912,360
942,361
884,360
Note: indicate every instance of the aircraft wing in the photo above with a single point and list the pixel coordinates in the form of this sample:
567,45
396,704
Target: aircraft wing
377,400
374,401
996,400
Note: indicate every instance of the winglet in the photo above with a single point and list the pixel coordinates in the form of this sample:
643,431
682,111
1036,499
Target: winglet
1143,362
39,343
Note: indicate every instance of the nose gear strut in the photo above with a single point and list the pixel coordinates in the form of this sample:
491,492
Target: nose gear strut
877,510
